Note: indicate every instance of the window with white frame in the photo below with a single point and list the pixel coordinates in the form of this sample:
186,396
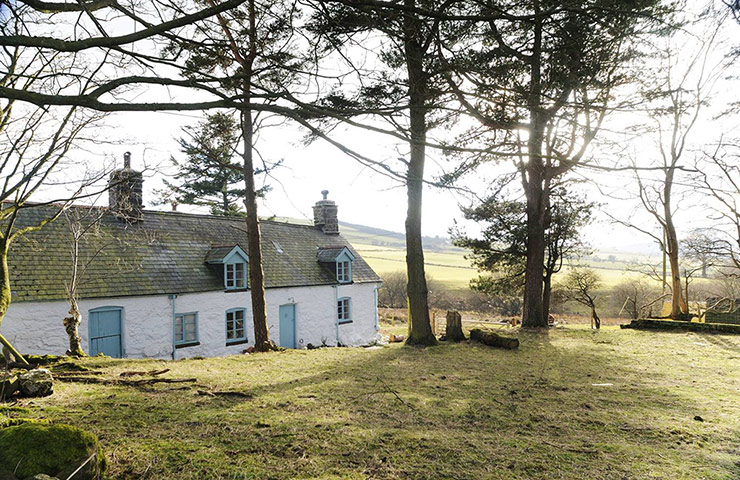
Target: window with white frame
236,331
235,275
344,272
344,314
186,329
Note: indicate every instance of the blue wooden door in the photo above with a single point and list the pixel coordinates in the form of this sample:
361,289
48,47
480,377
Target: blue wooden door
105,332
287,326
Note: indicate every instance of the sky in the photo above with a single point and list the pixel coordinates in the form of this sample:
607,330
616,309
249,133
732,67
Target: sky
369,198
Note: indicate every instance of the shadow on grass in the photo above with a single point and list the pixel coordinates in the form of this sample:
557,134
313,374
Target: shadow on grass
569,404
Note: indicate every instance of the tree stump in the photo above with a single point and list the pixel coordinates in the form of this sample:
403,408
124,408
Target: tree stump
491,339
454,330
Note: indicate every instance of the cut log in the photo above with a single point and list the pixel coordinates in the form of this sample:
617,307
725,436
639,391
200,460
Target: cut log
492,339
396,338
454,331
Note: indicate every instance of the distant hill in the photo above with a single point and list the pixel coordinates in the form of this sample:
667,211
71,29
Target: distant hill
386,238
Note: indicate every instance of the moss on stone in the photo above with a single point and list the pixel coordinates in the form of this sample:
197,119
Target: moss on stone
43,359
36,447
13,422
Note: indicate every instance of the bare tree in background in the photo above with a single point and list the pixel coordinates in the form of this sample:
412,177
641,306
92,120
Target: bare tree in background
636,297
393,292
721,179
677,96
579,286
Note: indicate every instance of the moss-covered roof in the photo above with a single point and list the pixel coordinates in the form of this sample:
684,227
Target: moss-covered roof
164,253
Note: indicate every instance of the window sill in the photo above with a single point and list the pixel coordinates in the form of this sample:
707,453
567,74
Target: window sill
189,344
345,283
345,322
235,290
236,342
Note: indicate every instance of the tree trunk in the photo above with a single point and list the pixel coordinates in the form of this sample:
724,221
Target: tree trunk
536,191
262,341
534,314
71,325
5,296
595,320
679,305
420,332
546,295
454,331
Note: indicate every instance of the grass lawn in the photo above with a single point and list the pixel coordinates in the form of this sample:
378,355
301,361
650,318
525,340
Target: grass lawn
617,404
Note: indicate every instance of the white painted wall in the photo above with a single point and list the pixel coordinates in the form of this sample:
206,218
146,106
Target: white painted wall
36,327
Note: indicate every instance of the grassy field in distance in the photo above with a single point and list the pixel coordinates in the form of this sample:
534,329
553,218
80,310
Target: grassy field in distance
385,251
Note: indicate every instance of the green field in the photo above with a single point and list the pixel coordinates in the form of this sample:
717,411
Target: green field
448,267
569,404
386,252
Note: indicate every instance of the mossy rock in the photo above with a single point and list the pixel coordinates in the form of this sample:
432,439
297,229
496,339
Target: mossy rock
43,359
51,449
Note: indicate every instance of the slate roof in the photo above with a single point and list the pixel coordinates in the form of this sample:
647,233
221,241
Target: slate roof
218,254
329,254
164,253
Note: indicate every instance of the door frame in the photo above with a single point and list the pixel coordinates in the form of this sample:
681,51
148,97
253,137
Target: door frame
108,308
295,322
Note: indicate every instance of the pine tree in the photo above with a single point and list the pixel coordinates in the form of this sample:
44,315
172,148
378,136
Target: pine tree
208,175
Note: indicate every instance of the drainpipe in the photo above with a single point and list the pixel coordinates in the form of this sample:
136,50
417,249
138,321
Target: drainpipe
172,298
336,317
378,286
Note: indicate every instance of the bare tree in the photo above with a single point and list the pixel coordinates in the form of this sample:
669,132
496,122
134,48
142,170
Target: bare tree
720,177
87,241
636,297
393,292
35,141
677,96
579,286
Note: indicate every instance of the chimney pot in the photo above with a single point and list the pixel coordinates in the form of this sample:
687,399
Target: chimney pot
325,215
125,192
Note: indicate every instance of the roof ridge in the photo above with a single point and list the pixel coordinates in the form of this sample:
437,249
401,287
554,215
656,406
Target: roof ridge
221,217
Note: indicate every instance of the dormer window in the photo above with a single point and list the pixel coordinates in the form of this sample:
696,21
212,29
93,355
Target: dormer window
344,271
234,261
339,259
235,275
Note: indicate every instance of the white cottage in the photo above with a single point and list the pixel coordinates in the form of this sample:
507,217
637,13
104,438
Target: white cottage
174,285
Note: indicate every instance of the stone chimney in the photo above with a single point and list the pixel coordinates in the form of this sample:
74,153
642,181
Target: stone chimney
325,215
125,192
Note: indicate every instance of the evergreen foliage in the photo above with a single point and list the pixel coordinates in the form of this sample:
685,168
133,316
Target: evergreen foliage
209,175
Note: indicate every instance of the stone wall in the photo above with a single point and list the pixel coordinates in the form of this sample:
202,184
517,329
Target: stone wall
723,312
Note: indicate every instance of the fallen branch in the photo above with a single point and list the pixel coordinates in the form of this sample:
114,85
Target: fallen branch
23,366
81,466
225,393
395,394
75,374
112,381
493,339
151,373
